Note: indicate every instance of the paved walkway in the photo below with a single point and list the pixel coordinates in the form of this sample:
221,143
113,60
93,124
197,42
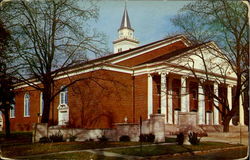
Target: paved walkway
103,152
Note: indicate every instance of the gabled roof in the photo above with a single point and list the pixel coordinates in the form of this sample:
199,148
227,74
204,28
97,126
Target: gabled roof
116,56
173,54
125,21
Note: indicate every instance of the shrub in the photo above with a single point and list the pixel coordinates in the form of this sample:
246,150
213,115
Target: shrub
147,137
124,138
151,137
58,137
44,140
72,138
180,139
193,138
103,138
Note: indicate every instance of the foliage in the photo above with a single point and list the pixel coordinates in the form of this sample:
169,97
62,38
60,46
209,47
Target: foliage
180,138
6,78
44,140
226,23
147,137
103,138
193,138
170,140
58,137
49,37
72,138
124,138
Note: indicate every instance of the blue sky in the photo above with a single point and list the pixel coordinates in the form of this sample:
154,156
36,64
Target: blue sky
149,19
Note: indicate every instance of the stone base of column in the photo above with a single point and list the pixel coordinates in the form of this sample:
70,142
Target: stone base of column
187,118
157,126
188,123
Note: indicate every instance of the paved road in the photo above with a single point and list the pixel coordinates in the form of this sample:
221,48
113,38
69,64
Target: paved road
222,155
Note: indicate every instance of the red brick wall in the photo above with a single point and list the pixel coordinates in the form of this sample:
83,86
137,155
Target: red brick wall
20,122
141,100
156,92
100,100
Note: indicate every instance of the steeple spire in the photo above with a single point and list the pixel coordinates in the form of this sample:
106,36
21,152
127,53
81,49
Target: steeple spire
125,20
126,39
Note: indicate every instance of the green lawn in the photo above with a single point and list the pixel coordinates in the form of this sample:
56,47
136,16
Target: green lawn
38,148
16,138
169,149
80,155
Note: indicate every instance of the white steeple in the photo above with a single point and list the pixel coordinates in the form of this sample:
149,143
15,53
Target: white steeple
126,39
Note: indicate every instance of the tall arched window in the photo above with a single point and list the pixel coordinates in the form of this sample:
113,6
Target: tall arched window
64,96
12,110
63,110
41,103
26,105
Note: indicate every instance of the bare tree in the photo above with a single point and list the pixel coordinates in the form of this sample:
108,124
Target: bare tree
6,80
226,23
50,36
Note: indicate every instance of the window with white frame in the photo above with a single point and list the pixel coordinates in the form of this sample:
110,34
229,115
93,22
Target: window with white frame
12,110
26,105
64,96
41,103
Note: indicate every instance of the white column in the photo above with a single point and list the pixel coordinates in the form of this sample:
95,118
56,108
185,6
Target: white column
201,106
241,111
216,103
176,116
229,99
163,95
209,118
170,102
150,95
183,94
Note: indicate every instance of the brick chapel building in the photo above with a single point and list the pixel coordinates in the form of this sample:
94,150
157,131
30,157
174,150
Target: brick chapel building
133,82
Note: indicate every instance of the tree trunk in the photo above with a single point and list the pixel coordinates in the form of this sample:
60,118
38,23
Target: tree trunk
46,100
226,124
7,123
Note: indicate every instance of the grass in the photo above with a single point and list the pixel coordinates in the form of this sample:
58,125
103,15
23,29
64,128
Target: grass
170,140
80,155
38,148
169,149
16,138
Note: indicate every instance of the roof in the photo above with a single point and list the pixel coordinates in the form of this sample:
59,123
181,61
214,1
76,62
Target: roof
108,57
125,21
173,54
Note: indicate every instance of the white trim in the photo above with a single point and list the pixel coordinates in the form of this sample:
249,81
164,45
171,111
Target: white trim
41,104
104,67
65,96
24,105
183,94
164,96
229,98
150,95
201,105
11,110
170,102
164,67
241,110
216,103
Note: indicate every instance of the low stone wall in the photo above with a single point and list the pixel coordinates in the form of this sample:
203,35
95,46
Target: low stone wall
154,125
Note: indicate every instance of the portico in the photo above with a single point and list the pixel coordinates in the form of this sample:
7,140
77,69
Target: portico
170,93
